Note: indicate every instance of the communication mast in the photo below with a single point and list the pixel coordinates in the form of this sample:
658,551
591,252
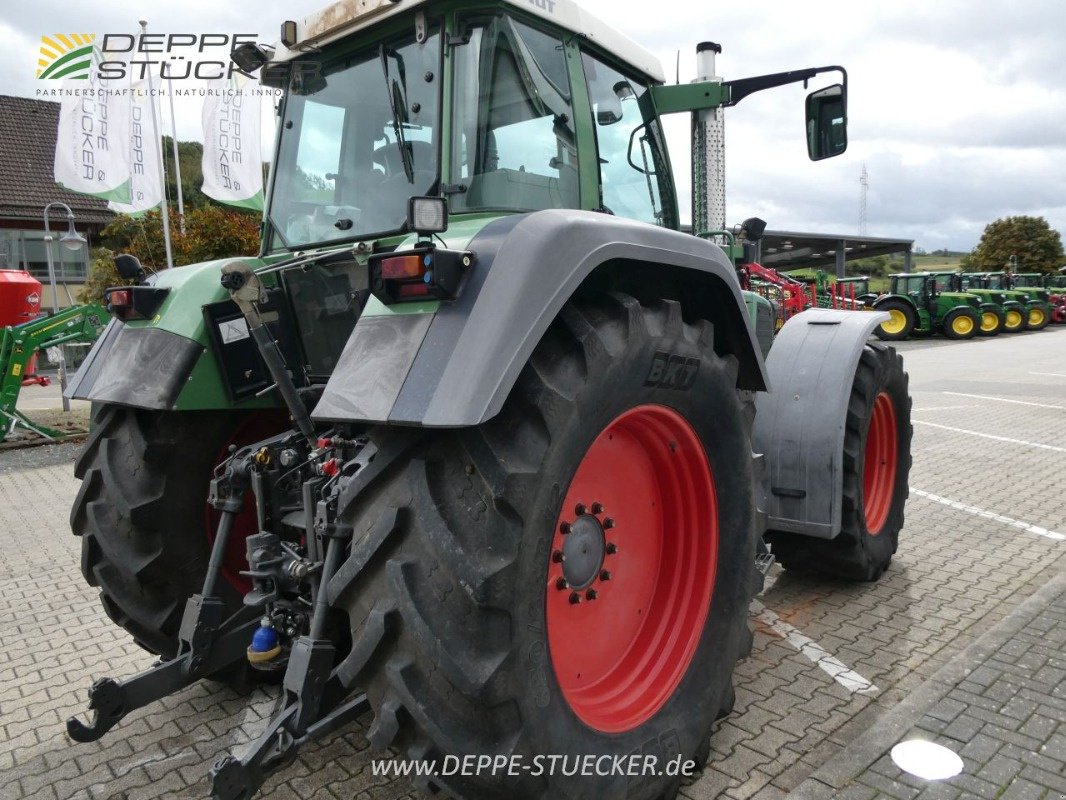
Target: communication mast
864,183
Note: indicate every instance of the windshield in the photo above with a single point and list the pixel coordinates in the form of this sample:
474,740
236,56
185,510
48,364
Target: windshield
357,141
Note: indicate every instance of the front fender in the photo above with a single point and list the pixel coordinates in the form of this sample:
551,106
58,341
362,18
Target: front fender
456,366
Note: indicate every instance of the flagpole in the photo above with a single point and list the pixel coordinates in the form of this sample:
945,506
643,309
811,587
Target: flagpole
177,163
162,170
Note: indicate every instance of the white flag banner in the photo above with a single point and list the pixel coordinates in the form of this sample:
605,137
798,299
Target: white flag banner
232,167
92,151
145,154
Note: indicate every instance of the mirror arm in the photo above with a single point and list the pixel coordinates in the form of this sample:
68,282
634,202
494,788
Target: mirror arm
739,89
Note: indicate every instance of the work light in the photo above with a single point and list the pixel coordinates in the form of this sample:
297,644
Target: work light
427,215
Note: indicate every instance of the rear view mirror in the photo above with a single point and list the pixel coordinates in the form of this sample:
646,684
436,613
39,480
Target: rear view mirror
827,122
129,267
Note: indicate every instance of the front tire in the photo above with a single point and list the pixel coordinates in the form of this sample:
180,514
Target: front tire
991,322
472,635
877,461
1014,320
959,325
1037,319
901,323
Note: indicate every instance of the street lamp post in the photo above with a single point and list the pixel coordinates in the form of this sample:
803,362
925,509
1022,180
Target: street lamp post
73,241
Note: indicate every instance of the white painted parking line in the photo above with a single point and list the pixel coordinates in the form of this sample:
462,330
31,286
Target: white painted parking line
992,515
1006,400
833,667
990,436
942,408
1050,374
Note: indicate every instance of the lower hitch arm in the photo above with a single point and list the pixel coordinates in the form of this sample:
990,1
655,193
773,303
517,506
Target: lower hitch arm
309,691
207,640
317,700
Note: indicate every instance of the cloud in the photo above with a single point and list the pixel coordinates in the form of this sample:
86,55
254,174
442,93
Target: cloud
956,107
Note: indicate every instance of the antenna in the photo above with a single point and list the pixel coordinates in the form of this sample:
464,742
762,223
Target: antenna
864,183
678,81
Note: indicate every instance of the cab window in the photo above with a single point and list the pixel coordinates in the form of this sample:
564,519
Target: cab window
628,183
514,147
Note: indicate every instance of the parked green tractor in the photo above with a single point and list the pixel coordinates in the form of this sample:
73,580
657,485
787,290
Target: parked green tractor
1054,287
481,447
916,305
1034,301
998,313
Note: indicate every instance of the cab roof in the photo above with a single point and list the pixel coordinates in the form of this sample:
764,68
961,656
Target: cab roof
344,17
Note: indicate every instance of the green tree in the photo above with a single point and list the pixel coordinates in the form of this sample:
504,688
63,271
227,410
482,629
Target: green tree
1036,247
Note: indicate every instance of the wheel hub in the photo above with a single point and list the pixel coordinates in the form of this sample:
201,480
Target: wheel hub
583,551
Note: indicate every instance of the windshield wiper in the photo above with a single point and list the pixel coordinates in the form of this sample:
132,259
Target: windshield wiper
397,92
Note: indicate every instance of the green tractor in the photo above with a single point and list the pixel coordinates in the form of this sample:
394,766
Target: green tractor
916,305
1012,312
998,312
481,446
1034,301
1047,289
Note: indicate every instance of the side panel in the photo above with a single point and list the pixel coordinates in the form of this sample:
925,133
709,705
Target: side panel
527,268
800,427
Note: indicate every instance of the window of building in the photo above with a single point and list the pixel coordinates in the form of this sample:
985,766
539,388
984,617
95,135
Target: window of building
25,249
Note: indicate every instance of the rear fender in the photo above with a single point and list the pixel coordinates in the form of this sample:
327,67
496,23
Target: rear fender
799,427
455,366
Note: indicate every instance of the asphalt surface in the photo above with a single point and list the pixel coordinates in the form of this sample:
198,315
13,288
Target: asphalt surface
984,532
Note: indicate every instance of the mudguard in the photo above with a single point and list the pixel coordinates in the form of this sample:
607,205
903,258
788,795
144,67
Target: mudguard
456,367
800,427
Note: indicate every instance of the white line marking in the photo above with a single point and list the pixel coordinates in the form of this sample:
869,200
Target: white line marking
980,512
1005,400
1050,374
836,669
943,408
990,436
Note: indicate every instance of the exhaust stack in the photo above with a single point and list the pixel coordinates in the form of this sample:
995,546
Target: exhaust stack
708,151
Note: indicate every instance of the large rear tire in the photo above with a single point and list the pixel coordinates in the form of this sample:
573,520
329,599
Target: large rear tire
901,323
141,516
877,461
472,635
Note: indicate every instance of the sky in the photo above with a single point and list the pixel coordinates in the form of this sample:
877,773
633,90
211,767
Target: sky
957,109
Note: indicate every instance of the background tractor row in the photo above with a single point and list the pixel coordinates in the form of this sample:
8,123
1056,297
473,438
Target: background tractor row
481,445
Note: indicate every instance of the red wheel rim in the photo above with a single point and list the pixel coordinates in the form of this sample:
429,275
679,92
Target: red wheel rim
253,429
643,502
880,463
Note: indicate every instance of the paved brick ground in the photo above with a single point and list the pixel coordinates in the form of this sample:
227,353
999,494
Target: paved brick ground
957,574
1002,709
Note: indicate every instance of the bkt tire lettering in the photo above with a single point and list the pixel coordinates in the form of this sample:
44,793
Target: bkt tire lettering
671,371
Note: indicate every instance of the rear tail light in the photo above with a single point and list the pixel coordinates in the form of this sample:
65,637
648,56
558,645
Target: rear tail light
426,273
134,302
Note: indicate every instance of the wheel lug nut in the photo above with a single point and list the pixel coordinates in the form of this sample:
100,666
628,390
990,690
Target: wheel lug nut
580,509
557,557
605,575
612,548
564,528
597,508
560,583
575,598
608,523
590,594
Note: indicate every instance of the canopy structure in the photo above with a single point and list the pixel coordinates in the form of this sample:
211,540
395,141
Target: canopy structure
785,250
